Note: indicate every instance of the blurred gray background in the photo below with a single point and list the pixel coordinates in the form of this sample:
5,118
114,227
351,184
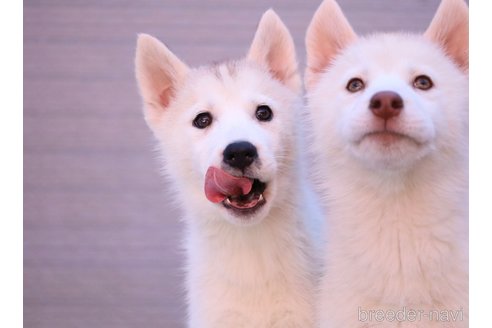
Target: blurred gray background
101,238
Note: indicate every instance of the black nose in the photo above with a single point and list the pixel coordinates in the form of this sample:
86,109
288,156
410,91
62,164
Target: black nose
240,154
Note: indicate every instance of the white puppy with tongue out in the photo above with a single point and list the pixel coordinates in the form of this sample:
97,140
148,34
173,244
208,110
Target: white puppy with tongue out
227,133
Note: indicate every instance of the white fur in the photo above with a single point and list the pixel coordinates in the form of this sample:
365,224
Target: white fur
241,272
397,228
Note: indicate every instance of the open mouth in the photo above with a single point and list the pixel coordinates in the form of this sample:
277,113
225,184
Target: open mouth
241,194
248,203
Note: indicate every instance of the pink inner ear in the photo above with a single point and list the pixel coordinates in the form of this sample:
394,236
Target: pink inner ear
165,96
278,65
282,63
459,52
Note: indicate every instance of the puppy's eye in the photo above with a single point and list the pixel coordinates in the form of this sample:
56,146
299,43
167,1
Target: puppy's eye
264,113
202,120
355,85
423,82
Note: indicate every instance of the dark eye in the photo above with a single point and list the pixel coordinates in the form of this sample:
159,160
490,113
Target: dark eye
355,85
202,120
423,82
264,113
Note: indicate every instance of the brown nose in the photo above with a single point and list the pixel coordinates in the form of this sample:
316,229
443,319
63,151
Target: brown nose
386,104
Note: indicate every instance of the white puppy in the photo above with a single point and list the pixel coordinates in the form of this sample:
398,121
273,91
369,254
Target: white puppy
390,123
228,136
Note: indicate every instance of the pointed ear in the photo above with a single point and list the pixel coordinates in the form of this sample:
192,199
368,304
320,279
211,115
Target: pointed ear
328,33
158,72
449,28
273,48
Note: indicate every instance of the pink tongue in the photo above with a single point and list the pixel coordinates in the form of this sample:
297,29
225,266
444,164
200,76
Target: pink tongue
219,185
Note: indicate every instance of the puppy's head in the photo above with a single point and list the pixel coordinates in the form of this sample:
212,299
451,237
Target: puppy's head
388,100
226,130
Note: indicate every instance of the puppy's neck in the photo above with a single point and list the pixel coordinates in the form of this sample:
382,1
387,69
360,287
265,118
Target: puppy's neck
247,253
426,192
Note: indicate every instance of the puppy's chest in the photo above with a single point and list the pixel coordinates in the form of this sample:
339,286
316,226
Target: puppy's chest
394,249
265,302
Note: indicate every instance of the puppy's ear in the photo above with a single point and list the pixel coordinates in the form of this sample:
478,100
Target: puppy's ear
273,48
449,28
328,33
158,72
